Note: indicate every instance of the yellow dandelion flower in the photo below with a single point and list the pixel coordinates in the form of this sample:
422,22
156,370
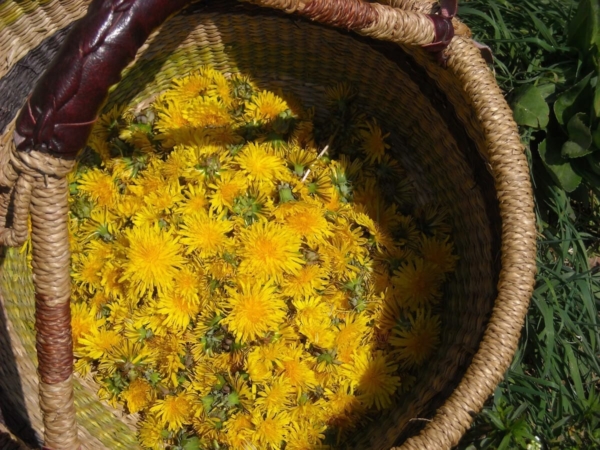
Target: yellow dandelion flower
98,186
311,309
270,429
165,198
265,106
305,219
342,402
168,350
269,251
138,395
205,234
237,431
111,273
373,141
177,309
82,321
151,432
171,123
189,87
439,253
188,282
419,283
87,271
98,342
174,411
262,360
153,258
415,345
255,309
318,332
295,367
206,112
107,121
194,202
340,93
225,189
373,376
405,232
352,334
277,396
259,165
433,220
308,281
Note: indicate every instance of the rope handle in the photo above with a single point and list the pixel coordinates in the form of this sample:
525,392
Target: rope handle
57,120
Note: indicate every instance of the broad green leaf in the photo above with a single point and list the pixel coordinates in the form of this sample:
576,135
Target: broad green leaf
530,108
580,137
573,100
547,89
584,27
192,443
559,169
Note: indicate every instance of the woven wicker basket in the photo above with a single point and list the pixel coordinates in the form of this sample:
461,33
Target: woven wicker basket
449,126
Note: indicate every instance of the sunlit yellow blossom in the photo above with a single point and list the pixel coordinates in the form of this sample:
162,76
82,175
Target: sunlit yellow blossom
98,342
82,321
297,370
138,395
153,258
178,309
168,350
189,87
277,396
174,411
351,335
310,279
205,233
255,310
269,251
151,432
88,271
416,343
306,219
270,429
99,186
206,112
259,165
238,430
226,189
265,106
196,200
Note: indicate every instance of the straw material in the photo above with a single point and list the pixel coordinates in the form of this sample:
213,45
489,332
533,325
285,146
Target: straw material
451,129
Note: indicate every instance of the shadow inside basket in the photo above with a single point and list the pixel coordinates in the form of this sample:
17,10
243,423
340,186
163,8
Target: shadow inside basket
434,147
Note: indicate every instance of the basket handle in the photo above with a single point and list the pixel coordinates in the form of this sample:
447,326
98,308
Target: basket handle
56,122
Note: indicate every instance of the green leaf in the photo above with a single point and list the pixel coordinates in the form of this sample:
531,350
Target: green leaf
560,170
584,28
192,443
530,108
580,137
573,100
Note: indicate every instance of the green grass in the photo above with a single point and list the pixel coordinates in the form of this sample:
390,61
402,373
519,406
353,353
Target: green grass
550,397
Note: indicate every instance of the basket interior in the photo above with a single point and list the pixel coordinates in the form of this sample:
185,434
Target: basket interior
283,52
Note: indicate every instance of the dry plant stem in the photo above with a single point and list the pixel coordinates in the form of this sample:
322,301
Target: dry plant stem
320,155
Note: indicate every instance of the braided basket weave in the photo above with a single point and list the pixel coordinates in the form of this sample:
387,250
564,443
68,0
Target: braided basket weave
450,127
